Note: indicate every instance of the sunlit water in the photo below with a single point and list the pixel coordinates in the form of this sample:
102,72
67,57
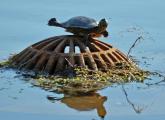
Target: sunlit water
23,23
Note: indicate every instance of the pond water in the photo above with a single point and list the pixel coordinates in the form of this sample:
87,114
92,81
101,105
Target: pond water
23,23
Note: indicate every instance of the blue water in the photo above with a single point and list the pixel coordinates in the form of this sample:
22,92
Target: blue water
23,23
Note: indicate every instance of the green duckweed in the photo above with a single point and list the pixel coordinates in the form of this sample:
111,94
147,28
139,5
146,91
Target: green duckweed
84,80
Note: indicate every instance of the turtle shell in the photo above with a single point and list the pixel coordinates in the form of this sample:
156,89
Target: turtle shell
80,22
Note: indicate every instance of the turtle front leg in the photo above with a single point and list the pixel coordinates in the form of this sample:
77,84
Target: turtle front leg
86,38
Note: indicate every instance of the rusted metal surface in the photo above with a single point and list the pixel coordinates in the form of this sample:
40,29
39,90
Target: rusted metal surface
51,55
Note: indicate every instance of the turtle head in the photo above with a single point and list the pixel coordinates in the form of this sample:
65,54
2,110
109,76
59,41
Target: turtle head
103,24
53,22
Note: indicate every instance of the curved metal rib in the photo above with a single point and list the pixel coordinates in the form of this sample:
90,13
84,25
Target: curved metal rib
49,56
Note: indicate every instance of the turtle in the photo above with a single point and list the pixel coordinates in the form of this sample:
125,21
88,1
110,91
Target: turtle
84,102
83,26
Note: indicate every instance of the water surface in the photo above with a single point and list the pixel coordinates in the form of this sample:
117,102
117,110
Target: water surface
23,23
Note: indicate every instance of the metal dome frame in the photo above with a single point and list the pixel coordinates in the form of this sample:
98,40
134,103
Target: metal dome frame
50,55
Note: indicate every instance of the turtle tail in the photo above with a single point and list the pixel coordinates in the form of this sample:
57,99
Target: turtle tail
53,22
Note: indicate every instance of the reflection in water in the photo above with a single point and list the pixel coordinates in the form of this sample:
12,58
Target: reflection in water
84,103
137,109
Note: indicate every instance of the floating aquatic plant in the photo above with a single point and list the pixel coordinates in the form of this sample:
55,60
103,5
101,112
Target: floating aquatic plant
88,81
83,80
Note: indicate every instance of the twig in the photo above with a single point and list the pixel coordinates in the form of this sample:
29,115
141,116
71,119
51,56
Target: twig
70,64
136,109
134,44
159,75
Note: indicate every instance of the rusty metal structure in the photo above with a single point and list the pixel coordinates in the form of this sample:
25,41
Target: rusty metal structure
62,52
